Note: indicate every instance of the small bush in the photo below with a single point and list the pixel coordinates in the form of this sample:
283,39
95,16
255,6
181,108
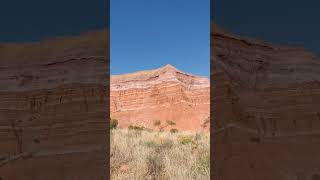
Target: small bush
113,123
138,128
157,123
173,130
185,140
171,123
206,122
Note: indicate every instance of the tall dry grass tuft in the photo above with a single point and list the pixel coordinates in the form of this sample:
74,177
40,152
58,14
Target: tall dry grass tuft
142,154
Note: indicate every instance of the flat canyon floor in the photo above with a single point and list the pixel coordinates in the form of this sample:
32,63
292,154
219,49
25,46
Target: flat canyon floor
144,154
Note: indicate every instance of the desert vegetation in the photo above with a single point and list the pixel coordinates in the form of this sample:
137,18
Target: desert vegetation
138,153
113,123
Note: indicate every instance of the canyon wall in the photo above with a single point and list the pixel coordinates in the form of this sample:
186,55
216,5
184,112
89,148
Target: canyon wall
266,122
166,95
53,100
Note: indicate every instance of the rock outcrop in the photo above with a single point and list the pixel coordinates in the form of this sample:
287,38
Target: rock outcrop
166,95
266,116
53,116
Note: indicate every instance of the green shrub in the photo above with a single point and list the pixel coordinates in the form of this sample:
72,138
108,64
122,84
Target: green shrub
185,140
173,130
113,123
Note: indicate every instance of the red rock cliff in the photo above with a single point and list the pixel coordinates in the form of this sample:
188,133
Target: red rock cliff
164,94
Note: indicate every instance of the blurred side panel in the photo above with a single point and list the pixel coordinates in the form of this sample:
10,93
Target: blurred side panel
266,117
54,99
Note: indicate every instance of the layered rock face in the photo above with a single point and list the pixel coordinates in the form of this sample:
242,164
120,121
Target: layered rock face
166,95
266,121
53,116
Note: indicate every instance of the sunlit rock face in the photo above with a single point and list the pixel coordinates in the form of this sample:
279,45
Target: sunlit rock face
266,120
165,94
53,108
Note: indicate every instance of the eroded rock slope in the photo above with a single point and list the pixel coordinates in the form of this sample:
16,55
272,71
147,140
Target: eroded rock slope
166,95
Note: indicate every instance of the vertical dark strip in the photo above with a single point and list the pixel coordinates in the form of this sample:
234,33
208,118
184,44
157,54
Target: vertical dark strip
107,170
212,102
212,107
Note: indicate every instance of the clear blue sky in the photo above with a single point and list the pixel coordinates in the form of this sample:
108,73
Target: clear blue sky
147,34
294,22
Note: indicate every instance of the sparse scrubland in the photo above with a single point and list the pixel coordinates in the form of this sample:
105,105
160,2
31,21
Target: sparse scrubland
139,154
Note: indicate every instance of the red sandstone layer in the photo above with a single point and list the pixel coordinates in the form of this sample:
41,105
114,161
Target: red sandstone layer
164,94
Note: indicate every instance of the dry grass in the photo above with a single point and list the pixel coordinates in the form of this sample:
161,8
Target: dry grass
139,155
